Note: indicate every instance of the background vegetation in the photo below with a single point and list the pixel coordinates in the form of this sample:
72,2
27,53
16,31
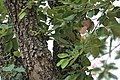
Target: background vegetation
75,36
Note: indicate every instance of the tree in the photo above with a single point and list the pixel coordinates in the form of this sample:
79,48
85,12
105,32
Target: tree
75,38
37,59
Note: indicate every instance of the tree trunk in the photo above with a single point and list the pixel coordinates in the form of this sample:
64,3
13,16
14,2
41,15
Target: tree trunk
36,57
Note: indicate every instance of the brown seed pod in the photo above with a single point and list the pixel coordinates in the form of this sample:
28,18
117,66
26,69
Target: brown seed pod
88,23
82,38
83,30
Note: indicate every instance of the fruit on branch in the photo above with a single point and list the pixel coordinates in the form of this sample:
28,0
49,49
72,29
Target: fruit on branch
88,23
87,26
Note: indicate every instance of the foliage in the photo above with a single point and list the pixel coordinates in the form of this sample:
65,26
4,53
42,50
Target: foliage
9,67
13,73
67,21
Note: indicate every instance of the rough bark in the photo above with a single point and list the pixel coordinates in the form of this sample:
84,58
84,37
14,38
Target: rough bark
37,58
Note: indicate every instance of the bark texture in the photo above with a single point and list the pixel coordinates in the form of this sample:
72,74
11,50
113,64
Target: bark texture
37,58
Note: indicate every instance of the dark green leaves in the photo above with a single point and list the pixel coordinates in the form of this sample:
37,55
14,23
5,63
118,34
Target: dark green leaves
8,46
112,76
73,77
89,77
15,44
85,61
117,11
95,51
95,45
92,13
102,31
115,27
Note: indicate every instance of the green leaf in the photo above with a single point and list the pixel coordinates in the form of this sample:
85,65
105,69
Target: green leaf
8,46
66,2
68,78
8,37
60,62
62,41
22,15
4,26
69,33
93,1
91,13
19,69
112,76
15,44
116,12
96,11
101,76
75,56
89,78
64,63
19,76
102,31
82,75
96,69
75,66
115,27
6,32
95,51
2,31
95,42
69,18
103,20
17,54
85,61
63,55
9,68
73,76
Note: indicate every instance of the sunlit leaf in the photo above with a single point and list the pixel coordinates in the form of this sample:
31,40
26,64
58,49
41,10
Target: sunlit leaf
63,55
71,17
22,15
64,63
68,78
60,62
17,54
